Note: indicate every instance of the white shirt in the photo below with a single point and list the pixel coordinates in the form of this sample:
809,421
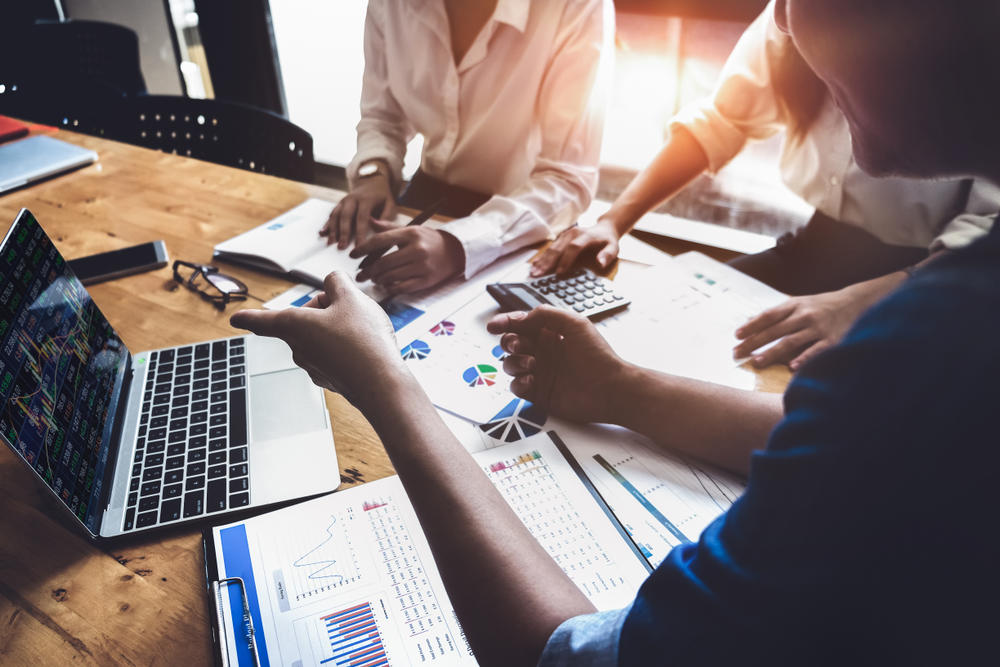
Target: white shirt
821,168
520,117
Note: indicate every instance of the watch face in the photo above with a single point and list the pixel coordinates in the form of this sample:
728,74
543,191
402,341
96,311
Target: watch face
366,170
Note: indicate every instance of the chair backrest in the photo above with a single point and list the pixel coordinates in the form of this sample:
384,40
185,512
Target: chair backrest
72,74
88,50
236,135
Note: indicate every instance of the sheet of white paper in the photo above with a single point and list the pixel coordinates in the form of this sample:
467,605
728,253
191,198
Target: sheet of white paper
351,574
662,500
683,317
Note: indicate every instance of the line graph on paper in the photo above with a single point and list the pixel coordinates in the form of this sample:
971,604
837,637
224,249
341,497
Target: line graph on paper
320,561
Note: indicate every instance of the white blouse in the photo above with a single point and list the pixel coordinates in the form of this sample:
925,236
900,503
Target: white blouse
821,168
521,116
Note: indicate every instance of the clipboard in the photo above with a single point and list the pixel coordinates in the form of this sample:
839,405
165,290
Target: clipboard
215,586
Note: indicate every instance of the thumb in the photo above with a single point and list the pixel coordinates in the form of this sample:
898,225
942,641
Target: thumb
606,256
260,322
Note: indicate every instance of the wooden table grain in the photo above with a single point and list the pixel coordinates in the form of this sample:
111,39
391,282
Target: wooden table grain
141,600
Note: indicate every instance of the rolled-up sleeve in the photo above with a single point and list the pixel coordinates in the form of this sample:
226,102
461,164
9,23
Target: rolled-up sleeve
744,105
590,640
571,106
384,130
974,222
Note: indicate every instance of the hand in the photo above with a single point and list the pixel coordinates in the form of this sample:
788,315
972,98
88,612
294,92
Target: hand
371,198
341,338
426,257
810,324
561,363
560,255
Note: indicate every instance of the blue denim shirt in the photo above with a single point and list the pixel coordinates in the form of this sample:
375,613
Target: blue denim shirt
867,533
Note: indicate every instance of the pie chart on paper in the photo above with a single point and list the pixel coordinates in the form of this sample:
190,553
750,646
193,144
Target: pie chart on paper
443,328
418,349
519,419
480,375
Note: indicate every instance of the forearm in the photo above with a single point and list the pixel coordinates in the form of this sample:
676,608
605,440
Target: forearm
679,162
508,593
710,422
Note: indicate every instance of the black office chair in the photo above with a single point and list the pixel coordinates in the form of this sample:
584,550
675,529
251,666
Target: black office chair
90,51
73,74
236,135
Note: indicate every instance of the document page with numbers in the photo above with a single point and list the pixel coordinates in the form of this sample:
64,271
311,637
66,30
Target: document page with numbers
349,579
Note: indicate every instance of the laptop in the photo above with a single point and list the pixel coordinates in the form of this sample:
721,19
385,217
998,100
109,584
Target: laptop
32,159
129,442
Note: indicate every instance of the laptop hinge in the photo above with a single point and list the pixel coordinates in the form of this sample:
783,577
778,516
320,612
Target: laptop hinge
116,434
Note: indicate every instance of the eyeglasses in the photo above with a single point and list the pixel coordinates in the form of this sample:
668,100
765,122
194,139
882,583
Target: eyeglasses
213,286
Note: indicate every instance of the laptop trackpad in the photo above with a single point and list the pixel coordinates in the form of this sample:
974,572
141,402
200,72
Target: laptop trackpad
285,403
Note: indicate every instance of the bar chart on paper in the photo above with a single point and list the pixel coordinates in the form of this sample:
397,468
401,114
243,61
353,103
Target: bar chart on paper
543,491
353,636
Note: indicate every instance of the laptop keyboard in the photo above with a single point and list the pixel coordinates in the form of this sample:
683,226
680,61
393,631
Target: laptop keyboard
191,451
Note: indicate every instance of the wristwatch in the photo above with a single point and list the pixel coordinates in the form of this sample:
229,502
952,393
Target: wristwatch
370,168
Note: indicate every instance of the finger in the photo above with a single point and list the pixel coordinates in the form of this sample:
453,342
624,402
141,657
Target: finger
547,260
518,364
782,328
330,222
785,349
403,273
809,353
389,211
333,225
273,323
572,253
408,286
524,387
766,319
390,262
382,241
346,222
334,285
508,322
319,300
607,254
531,323
361,221
516,344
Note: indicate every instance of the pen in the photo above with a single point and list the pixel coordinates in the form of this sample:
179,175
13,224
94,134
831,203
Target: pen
421,218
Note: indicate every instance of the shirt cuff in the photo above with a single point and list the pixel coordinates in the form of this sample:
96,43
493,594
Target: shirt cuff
962,231
590,640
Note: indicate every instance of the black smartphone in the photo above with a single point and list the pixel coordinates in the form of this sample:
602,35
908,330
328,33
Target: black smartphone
119,263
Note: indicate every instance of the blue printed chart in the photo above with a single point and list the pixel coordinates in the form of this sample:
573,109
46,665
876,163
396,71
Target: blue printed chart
354,637
416,351
662,500
518,420
499,353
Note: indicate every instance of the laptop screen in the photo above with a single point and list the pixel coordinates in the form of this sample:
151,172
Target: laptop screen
61,370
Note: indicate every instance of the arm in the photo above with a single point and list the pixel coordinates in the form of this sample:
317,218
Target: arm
560,362
570,112
744,106
383,133
808,325
509,594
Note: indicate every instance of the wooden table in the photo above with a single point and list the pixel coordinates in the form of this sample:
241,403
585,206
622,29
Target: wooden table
142,600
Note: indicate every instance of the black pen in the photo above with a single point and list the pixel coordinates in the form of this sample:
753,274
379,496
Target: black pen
421,218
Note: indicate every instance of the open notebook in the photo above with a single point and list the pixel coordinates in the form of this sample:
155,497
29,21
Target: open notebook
290,244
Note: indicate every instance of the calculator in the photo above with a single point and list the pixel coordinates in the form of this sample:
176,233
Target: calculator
581,291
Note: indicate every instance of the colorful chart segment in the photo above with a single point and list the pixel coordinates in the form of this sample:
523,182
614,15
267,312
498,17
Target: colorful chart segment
418,350
524,458
354,638
519,419
480,375
443,328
